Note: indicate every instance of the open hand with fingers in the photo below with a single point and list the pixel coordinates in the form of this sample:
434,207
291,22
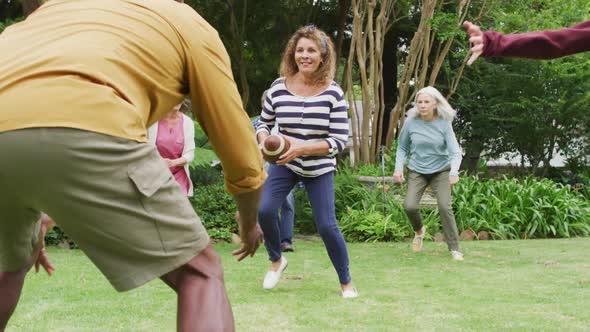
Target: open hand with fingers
251,237
41,259
475,39
295,150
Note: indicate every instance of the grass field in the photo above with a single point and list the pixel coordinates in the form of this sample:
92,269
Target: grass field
501,285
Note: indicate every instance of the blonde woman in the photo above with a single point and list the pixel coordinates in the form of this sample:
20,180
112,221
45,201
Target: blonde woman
428,139
310,111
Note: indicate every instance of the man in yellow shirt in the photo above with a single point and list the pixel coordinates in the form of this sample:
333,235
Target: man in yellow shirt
80,83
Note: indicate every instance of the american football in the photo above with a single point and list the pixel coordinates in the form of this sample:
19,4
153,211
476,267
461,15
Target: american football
274,146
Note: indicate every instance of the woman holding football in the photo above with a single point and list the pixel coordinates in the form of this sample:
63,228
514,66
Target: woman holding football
310,111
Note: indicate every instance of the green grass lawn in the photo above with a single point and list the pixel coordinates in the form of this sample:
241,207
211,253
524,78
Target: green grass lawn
501,285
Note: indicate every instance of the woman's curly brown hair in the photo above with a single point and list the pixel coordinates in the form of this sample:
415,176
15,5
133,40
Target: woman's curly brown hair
327,68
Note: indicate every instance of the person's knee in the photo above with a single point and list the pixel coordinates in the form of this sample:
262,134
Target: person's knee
411,207
207,263
266,212
445,209
7,276
327,229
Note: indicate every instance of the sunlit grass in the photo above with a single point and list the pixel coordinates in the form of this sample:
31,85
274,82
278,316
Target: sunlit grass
502,285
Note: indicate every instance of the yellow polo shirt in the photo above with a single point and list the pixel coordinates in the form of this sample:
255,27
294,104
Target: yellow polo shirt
116,67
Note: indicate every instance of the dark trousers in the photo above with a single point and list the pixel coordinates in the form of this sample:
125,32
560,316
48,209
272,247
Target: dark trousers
287,219
320,191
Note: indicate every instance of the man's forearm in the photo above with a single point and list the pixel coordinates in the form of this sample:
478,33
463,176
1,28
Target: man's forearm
248,207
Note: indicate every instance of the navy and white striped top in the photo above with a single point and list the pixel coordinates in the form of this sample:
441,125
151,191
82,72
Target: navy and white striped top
323,117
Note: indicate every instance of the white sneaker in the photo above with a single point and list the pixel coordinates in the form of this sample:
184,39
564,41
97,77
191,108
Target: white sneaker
350,293
271,279
418,242
457,256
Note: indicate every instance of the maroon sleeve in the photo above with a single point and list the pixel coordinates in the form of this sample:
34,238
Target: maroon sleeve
539,45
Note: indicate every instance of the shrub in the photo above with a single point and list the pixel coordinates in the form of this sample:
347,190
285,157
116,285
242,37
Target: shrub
372,225
304,222
202,175
216,208
521,208
507,208
56,236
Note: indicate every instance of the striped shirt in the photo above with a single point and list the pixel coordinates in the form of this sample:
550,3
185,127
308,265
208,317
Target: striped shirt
323,117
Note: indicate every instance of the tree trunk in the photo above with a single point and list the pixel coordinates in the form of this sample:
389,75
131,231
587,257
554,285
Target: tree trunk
471,159
370,25
419,61
548,156
343,9
237,42
411,68
390,63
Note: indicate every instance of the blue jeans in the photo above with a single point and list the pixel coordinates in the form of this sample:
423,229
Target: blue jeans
287,218
320,191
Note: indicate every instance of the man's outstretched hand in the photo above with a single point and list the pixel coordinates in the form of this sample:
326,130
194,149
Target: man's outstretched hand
42,260
251,237
475,40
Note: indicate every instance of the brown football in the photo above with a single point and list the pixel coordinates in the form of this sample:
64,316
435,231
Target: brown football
274,146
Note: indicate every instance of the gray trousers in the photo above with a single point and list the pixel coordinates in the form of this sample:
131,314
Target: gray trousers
439,182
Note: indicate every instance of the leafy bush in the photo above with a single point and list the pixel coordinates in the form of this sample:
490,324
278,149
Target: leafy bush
216,208
304,222
56,236
521,208
372,225
202,175
366,214
507,208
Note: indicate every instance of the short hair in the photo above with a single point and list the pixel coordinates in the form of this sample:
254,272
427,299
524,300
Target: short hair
327,68
443,109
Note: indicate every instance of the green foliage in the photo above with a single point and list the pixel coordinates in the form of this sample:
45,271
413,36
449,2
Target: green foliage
56,236
304,222
261,32
201,139
372,225
10,13
368,214
5,24
445,25
200,169
216,208
214,205
202,175
506,208
377,169
533,108
203,156
521,208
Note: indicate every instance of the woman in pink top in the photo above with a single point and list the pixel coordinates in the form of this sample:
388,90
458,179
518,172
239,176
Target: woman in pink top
174,137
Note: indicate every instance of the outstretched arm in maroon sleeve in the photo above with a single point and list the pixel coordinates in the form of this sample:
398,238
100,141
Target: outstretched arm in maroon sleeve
547,44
